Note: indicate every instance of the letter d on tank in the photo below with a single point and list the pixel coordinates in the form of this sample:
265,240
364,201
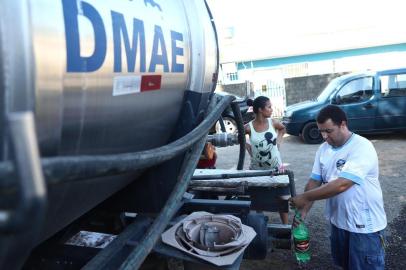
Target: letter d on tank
75,62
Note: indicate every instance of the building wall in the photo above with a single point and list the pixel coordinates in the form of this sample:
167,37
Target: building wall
305,88
240,89
378,57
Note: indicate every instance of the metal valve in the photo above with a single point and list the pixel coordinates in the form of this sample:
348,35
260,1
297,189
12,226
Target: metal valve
223,139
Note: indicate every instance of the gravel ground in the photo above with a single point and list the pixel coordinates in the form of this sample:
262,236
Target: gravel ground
299,158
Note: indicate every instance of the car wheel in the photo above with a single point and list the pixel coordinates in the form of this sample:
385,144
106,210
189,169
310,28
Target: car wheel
311,134
229,123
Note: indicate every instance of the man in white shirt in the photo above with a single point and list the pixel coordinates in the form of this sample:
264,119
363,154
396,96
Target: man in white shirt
345,172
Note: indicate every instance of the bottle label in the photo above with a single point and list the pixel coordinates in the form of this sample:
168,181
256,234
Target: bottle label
301,246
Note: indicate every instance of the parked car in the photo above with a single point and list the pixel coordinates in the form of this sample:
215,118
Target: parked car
375,102
228,115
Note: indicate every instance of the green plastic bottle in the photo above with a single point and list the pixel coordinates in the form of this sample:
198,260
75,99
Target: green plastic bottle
301,241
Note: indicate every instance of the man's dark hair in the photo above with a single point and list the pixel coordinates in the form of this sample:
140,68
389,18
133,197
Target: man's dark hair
333,112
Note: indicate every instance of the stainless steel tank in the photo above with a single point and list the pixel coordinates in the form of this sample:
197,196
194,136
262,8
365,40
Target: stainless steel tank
102,77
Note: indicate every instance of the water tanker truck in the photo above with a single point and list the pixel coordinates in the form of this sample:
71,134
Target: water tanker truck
105,109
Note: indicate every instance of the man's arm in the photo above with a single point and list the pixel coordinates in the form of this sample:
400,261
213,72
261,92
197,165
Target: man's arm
329,190
311,184
313,193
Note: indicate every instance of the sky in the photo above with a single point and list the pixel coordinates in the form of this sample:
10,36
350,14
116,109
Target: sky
278,28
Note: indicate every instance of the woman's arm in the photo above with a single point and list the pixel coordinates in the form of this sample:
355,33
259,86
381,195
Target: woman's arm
280,130
247,135
247,129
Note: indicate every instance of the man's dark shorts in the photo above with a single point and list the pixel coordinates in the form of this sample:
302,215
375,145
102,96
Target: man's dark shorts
358,251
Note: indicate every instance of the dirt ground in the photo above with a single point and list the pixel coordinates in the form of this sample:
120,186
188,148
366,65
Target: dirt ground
299,158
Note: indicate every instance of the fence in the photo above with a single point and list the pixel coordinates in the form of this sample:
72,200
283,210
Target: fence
276,93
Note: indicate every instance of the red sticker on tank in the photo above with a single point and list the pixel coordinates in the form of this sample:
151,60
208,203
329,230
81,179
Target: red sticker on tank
150,82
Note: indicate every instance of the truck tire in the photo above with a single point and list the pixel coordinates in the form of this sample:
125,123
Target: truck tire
311,134
229,123
258,248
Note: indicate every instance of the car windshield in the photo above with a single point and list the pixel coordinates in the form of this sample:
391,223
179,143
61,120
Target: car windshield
328,90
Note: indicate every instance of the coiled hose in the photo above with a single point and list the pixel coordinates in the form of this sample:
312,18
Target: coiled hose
74,168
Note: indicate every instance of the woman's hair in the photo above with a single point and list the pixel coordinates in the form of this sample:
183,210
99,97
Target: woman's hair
258,103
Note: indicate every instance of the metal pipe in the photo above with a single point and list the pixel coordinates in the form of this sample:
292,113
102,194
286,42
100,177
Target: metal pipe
215,76
31,208
281,243
236,175
292,185
280,230
222,139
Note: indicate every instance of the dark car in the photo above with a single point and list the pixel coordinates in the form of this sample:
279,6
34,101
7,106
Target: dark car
228,115
375,102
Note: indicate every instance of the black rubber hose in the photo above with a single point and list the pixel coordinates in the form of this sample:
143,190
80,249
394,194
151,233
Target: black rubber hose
172,205
222,126
73,168
241,134
136,258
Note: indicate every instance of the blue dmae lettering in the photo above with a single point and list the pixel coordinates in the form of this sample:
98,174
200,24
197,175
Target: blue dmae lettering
134,44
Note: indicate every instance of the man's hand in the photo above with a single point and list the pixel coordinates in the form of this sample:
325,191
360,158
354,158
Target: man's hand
302,204
299,202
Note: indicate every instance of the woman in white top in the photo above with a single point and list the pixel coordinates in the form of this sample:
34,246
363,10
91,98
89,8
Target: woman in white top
266,135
